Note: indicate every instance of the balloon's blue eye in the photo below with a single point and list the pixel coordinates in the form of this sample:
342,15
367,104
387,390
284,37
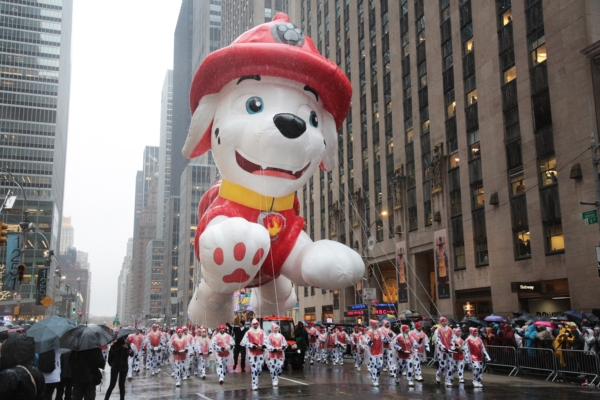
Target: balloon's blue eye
254,105
314,121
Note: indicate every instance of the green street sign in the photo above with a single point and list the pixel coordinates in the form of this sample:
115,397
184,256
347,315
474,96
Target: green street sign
592,220
589,214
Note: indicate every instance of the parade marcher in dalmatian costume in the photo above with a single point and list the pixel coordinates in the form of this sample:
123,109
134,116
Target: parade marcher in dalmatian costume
475,352
180,347
172,336
202,348
130,360
313,342
388,355
421,356
137,341
375,342
406,347
154,347
276,346
458,358
254,340
355,343
330,345
165,341
444,349
186,335
222,343
322,355
341,338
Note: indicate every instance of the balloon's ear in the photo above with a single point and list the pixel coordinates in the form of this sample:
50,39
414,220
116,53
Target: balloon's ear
331,143
198,139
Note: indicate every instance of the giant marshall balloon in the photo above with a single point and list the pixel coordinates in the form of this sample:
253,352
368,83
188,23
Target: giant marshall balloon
268,106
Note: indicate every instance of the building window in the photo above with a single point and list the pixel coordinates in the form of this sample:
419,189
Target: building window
312,290
450,104
454,160
509,75
472,97
517,182
506,17
555,240
523,244
477,195
481,252
459,256
305,291
548,172
474,145
468,46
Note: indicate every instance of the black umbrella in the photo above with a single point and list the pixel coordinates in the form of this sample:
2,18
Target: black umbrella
574,316
517,314
47,332
124,332
474,322
85,337
591,317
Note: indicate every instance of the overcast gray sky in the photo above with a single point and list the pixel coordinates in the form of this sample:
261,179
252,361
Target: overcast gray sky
121,50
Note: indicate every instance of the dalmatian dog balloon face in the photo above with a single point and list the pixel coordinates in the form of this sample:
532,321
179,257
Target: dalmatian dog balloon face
268,134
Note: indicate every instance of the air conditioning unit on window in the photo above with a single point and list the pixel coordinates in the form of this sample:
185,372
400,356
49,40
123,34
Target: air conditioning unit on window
398,230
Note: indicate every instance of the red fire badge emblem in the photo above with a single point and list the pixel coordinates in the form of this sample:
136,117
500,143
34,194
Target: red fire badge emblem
273,221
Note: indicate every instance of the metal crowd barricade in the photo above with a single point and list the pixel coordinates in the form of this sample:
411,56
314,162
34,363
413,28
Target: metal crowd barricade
536,359
503,356
577,362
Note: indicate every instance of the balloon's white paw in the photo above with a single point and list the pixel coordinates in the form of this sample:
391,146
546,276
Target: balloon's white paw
232,252
331,265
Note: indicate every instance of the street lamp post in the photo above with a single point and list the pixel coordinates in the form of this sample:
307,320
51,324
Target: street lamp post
370,244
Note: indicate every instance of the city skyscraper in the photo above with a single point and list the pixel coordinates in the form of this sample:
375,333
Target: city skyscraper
67,235
463,158
35,72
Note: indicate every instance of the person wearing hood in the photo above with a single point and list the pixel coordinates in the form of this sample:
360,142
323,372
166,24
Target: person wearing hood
276,345
118,357
222,343
476,352
341,339
458,358
322,354
180,347
563,341
406,348
530,334
254,340
374,341
508,338
19,380
417,334
357,354
154,347
445,349
202,348
388,337
592,340
313,339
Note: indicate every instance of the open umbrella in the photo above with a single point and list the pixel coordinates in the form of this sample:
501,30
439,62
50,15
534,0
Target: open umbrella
591,317
548,324
517,314
494,318
558,318
574,316
47,332
124,332
85,337
474,322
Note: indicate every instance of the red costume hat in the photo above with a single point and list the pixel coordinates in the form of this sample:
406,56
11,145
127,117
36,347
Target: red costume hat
418,325
405,328
443,319
340,327
179,331
276,48
373,323
221,327
473,331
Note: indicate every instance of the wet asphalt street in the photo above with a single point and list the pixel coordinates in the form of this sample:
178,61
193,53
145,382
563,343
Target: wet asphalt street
329,382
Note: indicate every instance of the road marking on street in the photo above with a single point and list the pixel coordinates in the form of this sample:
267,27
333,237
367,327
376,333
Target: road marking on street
291,380
203,396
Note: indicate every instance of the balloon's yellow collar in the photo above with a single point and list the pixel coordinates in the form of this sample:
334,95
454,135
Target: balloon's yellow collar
246,197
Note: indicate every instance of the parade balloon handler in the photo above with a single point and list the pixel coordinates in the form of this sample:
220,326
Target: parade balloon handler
180,347
254,339
444,350
313,342
388,357
268,106
458,358
276,345
375,343
154,346
475,350
221,344
341,339
204,351
421,356
406,348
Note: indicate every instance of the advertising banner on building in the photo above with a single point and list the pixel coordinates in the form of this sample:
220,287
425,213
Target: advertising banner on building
401,266
13,259
42,283
440,254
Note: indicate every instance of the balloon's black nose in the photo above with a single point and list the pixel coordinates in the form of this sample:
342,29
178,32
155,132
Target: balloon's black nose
289,125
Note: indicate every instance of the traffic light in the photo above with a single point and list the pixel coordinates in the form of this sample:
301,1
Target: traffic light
68,304
73,310
79,314
370,271
20,272
3,233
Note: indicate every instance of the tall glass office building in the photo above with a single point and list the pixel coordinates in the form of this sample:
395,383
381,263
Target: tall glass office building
35,72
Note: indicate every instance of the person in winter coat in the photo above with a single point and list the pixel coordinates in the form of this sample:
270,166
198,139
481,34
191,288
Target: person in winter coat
85,372
592,340
301,336
118,360
563,341
65,387
508,338
530,333
52,379
19,380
